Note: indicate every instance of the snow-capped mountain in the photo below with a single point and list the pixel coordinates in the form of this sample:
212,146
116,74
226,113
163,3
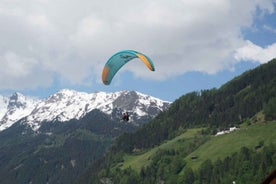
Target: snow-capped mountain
69,104
14,108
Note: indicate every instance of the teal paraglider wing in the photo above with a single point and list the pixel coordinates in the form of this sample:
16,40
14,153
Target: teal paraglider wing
118,60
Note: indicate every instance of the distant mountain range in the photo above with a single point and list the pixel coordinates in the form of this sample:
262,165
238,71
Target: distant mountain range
54,140
68,104
59,139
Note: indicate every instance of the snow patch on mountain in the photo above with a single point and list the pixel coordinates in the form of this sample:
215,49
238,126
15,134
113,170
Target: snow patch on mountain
3,105
69,104
14,108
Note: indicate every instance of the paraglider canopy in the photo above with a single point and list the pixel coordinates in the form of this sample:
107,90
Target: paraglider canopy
118,60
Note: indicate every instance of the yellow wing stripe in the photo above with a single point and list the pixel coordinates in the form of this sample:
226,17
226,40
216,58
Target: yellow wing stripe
104,75
145,60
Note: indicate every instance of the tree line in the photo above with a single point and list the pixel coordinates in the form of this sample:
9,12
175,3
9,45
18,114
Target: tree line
246,166
230,105
214,109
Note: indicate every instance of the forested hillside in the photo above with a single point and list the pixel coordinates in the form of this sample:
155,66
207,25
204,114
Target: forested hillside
60,153
245,101
227,106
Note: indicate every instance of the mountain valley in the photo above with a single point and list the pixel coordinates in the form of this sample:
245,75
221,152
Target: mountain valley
56,139
75,137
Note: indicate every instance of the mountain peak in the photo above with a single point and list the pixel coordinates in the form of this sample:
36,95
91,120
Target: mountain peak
68,92
69,104
17,100
14,108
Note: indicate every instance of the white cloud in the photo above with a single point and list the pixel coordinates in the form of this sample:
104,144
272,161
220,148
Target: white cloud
16,66
40,21
73,39
250,51
22,72
270,29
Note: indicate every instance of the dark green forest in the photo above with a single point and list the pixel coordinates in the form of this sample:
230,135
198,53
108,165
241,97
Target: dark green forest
230,105
60,152
244,101
241,167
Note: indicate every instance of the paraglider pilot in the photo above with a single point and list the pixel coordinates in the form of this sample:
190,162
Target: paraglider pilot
125,116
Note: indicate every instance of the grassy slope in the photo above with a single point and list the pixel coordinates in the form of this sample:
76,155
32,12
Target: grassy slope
138,160
216,147
222,146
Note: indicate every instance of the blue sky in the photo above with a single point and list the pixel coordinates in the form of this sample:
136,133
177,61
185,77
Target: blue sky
49,45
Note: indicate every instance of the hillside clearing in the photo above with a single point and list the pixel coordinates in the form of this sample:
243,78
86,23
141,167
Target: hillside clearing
216,147
138,160
222,146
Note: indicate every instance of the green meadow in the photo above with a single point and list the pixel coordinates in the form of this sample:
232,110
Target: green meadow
214,147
